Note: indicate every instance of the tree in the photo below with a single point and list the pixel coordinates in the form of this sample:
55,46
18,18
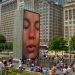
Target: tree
62,45
2,38
11,45
53,44
0,47
72,43
57,44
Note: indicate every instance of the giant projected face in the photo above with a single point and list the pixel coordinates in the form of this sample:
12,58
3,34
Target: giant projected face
31,27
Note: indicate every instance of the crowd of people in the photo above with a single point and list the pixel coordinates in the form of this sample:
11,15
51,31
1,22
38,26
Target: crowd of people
58,64
3,62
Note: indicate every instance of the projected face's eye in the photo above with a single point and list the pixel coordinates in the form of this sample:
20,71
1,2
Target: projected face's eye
26,23
37,26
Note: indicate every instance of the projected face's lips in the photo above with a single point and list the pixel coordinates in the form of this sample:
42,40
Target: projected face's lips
31,48
31,51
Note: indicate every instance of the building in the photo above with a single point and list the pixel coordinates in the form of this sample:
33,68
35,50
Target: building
51,20
59,2
7,9
69,19
29,4
26,4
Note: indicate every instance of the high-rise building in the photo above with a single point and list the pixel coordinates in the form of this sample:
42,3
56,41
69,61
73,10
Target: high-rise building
26,4
29,4
7,9
59,2
51,20
69,19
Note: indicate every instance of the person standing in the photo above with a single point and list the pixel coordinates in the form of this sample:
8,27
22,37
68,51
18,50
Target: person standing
37,69
51,72
10,59
64,71
1,64
41,70
31,68
74,67
20,64
45,71
69,70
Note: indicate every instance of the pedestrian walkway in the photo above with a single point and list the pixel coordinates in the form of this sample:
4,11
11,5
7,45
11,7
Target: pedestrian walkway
58,72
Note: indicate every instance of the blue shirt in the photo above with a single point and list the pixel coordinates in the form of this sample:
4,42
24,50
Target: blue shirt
44,72
31,68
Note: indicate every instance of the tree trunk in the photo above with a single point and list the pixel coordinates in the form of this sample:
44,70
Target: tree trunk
70,57
62,53
55,52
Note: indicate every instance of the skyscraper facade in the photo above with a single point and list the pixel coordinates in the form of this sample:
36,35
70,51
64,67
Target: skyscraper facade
51,20
59,2
69,19
26,4
7,9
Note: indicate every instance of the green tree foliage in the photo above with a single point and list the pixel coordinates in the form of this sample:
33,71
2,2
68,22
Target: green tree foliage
53,44
10,45
72,43
0,47
4,45
57,44
2,38
62,44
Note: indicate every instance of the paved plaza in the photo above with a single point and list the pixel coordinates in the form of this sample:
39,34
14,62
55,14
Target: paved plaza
16,64
58,72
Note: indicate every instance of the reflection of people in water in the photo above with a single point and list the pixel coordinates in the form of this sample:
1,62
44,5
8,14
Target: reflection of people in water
31,27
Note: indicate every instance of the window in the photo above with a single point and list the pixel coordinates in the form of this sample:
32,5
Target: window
70,14
73,22
70,22
73,13
66,22
70,26
66,15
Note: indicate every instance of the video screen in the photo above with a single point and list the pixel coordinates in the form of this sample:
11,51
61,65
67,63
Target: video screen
31,35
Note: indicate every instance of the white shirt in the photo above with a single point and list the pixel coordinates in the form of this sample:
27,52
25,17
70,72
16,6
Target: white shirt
1,65
20,65
20,62
64,70
69,69
11,65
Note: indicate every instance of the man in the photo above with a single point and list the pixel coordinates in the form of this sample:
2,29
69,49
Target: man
45,71
1,64
64,71
69,70
31,27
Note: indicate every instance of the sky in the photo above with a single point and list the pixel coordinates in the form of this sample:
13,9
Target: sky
3,0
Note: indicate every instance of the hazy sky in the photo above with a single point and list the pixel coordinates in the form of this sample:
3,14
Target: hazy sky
3,0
